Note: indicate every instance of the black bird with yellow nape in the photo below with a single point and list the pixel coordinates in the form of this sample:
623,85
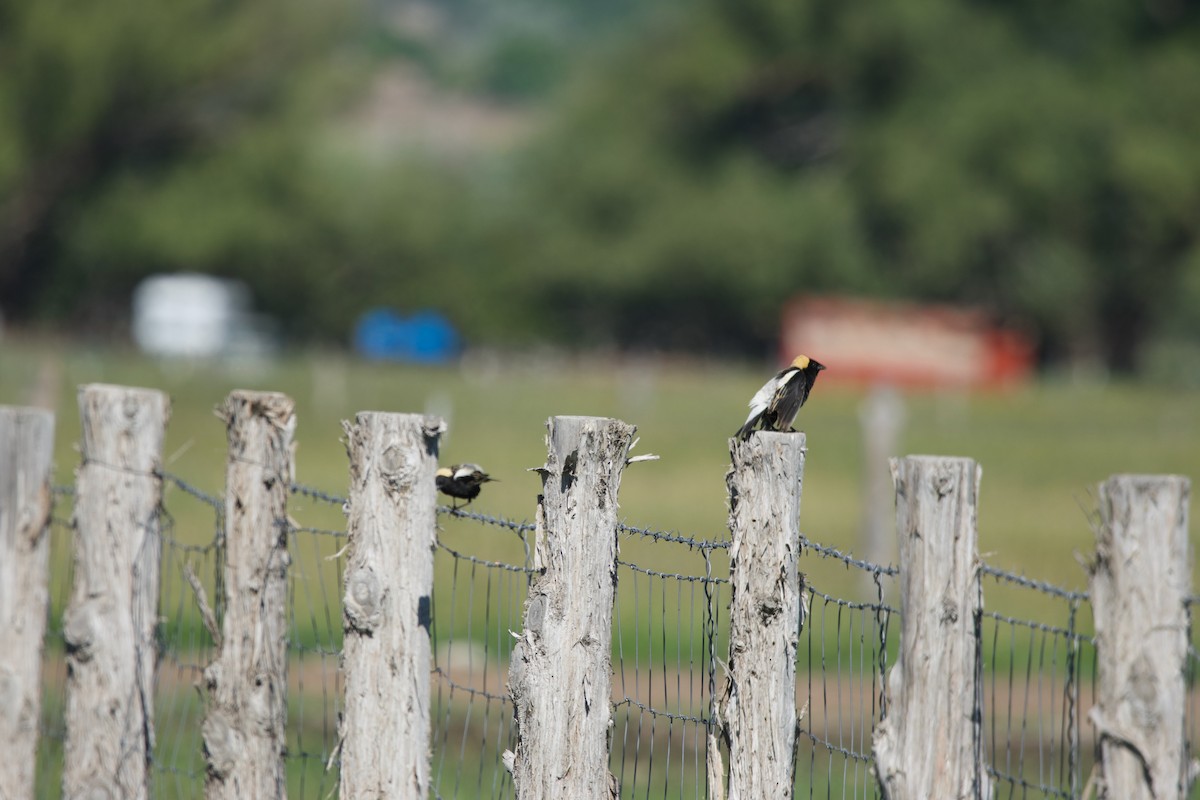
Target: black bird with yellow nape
462,481
774,406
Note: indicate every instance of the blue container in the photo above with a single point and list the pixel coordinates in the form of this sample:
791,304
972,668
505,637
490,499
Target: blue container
426,337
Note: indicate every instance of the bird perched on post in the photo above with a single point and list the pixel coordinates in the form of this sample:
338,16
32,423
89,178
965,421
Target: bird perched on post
462,481
774,406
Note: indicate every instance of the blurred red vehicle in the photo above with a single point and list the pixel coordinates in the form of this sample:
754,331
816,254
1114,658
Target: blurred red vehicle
906,344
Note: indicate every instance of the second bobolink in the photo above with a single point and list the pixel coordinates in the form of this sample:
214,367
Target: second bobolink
462,481
774,406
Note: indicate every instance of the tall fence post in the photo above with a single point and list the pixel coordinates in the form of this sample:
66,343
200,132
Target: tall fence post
26,450
1140,583
930,743
759,714
112,614
386,656
243,730
881,417
560,675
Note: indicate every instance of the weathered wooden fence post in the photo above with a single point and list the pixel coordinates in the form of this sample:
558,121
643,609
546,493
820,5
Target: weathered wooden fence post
386,608
560,675
759,714
1140,580
112,615
243,731
930,742
26,450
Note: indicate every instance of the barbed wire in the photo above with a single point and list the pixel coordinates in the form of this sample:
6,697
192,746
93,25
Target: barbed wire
673,575
1037,626
216,501
676,538
483,562
847,559
658,712
499,522
317,494
1031,583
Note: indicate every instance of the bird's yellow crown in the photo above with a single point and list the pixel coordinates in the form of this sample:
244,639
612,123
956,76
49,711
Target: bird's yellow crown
445,472
801,362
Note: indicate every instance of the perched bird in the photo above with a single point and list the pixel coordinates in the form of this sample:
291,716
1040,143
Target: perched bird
774,406
462,481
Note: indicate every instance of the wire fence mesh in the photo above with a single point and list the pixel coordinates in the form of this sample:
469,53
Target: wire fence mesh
670,643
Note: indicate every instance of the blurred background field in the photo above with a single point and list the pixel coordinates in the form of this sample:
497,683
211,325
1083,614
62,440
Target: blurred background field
1043,447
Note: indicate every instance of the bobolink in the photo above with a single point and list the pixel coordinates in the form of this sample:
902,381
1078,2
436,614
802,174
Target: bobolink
774,406
462,481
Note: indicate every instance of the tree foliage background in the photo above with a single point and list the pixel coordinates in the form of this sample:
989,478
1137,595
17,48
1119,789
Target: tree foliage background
683,170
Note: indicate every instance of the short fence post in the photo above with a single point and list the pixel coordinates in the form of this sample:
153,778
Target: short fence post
759,714
560,676
1140,582
243,730
386,608
930,742
26,450
112,615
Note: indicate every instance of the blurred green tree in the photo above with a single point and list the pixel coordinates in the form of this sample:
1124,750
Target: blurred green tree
140,137
1039,161
689,174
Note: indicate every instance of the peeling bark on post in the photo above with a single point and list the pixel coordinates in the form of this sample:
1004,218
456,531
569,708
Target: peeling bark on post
26,449
930,742
112,615
386,608
759,712
246,686
560,675
1140,580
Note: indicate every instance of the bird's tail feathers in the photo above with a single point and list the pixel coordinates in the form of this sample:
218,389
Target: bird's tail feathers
744,432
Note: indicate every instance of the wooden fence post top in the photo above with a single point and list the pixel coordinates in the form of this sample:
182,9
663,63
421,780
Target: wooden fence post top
432,426
113,389
94,395
1163,493
945,471
564,436
1134,482
29,432
272,405
139,405
1147,478
918,459
27,412
566,425
769,437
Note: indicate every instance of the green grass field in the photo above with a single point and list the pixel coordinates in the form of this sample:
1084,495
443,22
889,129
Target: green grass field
1043,448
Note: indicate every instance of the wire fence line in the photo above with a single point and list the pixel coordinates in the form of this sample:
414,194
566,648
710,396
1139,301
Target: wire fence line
670,643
